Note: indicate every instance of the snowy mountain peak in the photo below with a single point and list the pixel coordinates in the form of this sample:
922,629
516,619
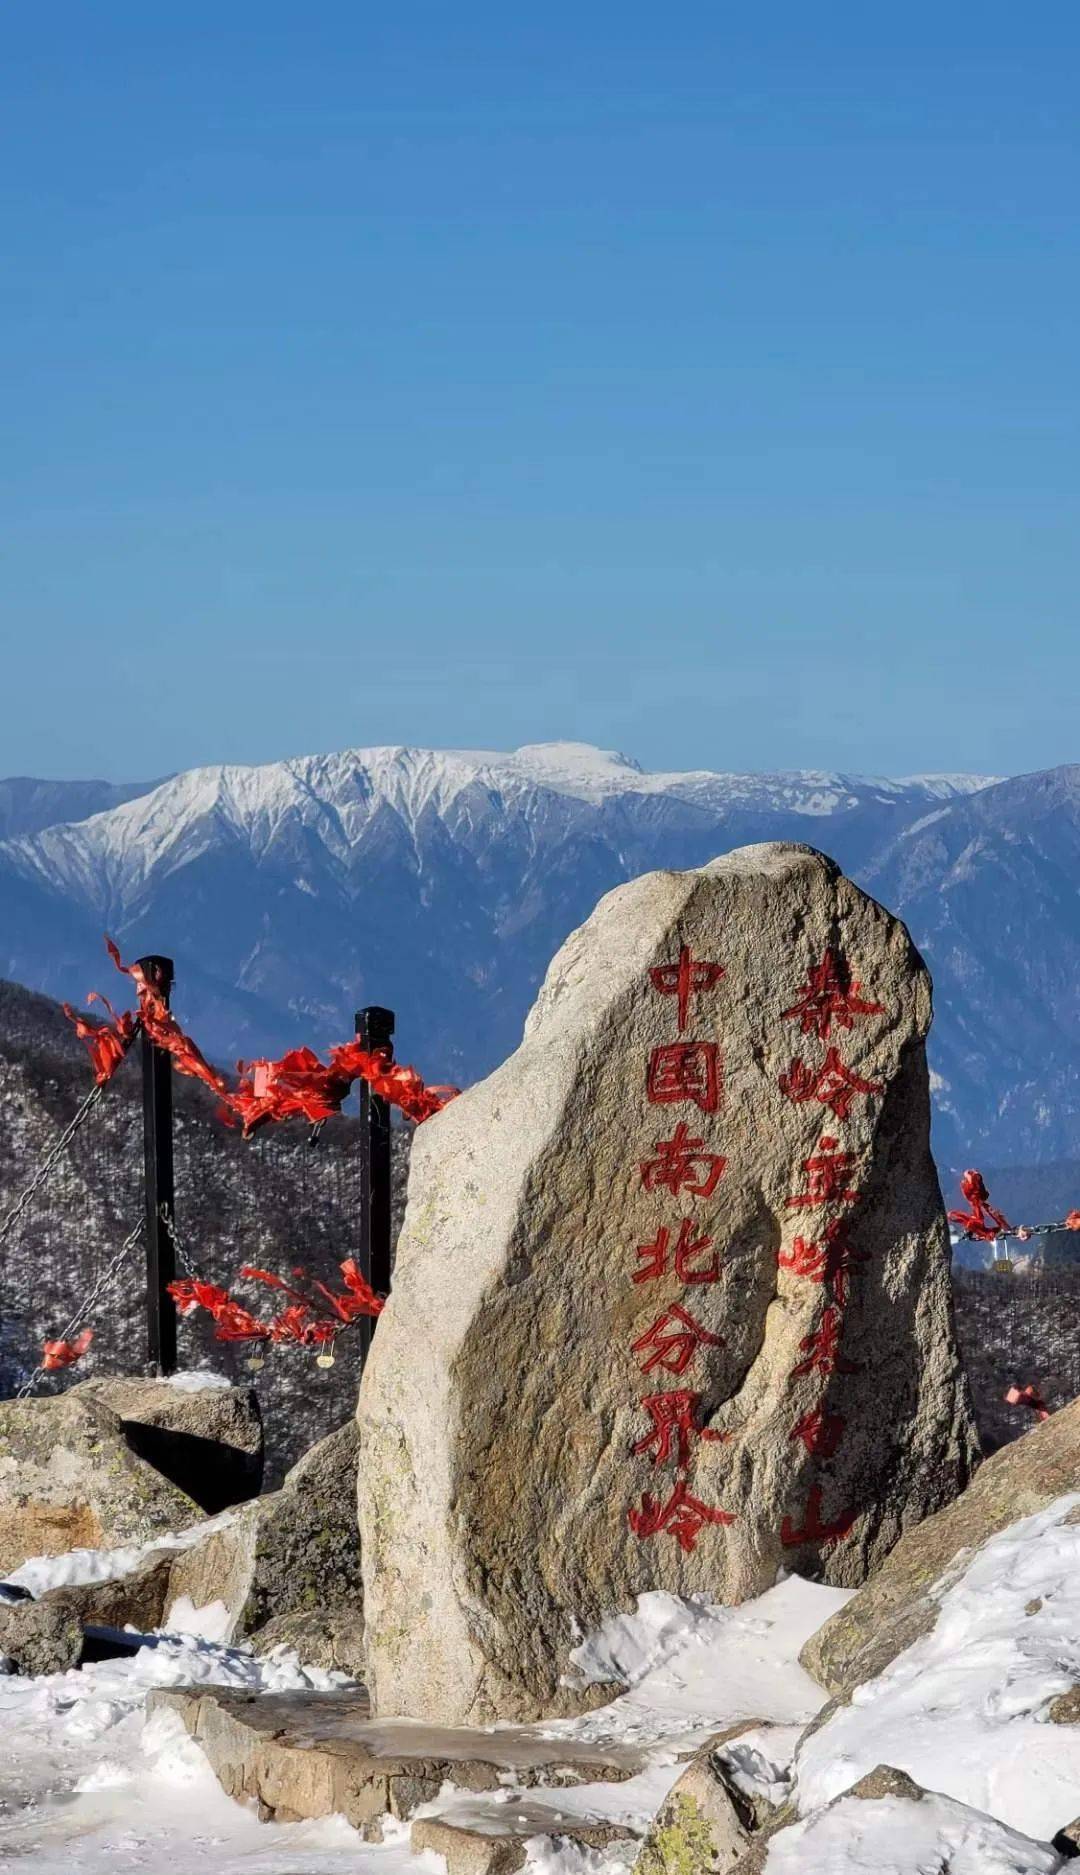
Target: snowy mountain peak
331,803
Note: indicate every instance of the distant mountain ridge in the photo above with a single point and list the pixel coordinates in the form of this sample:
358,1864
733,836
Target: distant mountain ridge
441,882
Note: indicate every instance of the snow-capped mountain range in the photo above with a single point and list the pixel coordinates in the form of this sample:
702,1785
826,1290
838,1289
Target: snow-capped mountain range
441,882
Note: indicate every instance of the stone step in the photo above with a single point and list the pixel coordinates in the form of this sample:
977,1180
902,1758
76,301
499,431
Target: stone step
301,1755
473,1852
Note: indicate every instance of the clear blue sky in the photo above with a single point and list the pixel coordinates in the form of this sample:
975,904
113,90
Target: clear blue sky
695,380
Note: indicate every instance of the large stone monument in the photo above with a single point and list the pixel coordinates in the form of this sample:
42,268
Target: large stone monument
671,1307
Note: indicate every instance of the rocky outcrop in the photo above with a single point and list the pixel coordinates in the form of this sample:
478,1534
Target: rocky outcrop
671,1306
207,1439
698,1829
899,1604
70,1479
289,1563
49,1635
331,1637
40,1637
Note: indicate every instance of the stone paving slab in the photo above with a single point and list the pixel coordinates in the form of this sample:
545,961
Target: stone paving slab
302,1755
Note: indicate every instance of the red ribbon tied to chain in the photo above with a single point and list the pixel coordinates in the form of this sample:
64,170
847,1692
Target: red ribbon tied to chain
981,1221
304,1319
57,1354
298,1085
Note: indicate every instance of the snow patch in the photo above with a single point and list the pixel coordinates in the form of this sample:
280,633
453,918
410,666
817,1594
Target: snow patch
198,1380
695,1662
77,1567
895,1836
964,1710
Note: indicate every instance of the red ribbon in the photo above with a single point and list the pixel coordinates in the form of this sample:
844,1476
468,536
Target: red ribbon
107,1042
296,1322
57,1354
1030,1397
298,1085
981,1221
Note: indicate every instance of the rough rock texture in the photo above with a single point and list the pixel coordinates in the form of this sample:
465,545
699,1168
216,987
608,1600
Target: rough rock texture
504,1438
876,1825
47,1635
320,1754
208,1440
898,1605
698,1829
471,1852
295,1552
40,1637
69,1479
323,1637
137,1600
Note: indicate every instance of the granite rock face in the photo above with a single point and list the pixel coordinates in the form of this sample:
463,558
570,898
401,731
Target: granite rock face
698,1829
208,1440
69,1479
900,1604
292,1556
671,1306
40,1637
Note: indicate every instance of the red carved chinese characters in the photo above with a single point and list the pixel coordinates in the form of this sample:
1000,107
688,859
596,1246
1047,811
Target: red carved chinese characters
685,1071
654,1256
681,1164
673,1340
820,1432
827,1262
688,978
822,1349
813,1530
682,1517
834,1084
826,1171
683,1167
829,996
675,1417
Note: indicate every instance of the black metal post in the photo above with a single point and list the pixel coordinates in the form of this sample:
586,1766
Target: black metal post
374,1029
158,1183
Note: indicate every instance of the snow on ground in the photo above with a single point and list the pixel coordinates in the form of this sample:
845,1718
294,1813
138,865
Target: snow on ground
963,1711
694,1667
691,1669
197,1380
892,1836
86,1784
79,1566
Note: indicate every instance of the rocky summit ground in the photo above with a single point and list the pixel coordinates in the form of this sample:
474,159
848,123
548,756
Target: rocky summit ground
961,1756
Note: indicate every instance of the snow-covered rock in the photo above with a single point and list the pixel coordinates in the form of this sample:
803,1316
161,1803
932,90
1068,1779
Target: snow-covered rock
887,1823
983,1707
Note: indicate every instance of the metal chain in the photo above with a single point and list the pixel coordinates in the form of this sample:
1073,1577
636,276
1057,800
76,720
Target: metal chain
65,1139
88,1302
46,1165
182,1254
1029,1230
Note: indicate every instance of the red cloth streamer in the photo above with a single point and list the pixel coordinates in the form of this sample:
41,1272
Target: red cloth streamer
297,1322
299,1085
981,1221
1030,1397
107,1042
57,1354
